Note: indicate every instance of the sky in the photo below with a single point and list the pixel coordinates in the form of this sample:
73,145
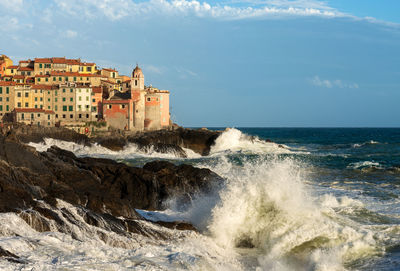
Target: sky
231,63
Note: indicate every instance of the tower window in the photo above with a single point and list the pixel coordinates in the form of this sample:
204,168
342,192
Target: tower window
135,82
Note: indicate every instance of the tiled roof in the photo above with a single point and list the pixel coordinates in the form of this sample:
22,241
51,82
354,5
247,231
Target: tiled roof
7,83
18,77
12,67
109,70
25,69
42,60
87,64
97,90
46,87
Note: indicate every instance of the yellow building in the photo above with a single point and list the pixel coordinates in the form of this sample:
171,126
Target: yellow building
5,61
87,68
6,100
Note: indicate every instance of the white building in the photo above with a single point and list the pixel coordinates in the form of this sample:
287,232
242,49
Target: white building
83,102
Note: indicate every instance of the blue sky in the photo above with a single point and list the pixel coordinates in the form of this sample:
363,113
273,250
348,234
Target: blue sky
271,63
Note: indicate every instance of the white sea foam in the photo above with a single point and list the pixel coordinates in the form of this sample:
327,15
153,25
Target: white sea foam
233,140
359,145
363,164
128,152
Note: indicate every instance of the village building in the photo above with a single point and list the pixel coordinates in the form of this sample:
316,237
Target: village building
34,116
61,91
5,62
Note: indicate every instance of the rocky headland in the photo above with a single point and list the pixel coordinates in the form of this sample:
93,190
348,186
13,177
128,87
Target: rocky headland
37,186
162,141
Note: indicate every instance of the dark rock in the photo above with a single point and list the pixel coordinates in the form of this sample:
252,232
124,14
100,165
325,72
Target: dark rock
11,257
103,189
200,141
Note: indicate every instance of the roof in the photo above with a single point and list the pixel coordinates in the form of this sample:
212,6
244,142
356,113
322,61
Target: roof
47,87
19,77
38,110
42,75
7,83
25,61
116,101
73,61
25,69
12,67
87,64
42,60
110,70
58,60
121,96
97,90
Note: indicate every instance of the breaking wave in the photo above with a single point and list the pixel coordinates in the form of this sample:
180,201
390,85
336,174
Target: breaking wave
233,140
130,151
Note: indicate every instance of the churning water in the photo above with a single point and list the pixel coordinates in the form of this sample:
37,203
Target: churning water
317,199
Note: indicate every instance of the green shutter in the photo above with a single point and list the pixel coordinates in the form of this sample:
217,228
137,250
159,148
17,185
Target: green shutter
64,108
71,108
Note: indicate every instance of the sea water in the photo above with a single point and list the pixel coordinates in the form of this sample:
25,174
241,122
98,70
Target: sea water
315,199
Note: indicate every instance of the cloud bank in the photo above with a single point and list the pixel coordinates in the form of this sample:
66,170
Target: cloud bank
325,83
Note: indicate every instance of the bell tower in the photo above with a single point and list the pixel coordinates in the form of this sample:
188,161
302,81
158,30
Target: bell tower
137,80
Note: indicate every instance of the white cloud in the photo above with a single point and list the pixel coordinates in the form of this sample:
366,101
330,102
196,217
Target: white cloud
12,5
316,81
71,34
119,9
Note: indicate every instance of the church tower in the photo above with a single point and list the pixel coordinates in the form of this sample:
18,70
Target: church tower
138,96
137,80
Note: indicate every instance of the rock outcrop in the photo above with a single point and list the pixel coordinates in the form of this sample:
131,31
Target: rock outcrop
162,141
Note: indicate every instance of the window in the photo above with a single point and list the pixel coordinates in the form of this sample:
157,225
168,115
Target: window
38,115
71,99
41,106
38,79
56,116
1,90
48,117
63,90
7,99
55,93
55,99
48,92
87,106
80,98
59,79
66,79
148,99
135,82
87,78
48,99
47,79
64,116
71,116
41,99
70,108
35,99
87,115
22,116
1,108
7,108
89,69
1,99
80,107
7,90
26,104
48,122
48,107
40,66
74,78
64,108
94,100
109,106
80,116
71,90
19,105
54,78
26,94
56,107
35,105
87,98
79,90
63,99
122,106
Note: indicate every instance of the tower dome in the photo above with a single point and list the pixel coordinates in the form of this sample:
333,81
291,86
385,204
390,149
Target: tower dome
137,72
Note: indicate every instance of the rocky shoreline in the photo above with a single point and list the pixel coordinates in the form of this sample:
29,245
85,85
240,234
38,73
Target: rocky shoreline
37,185
162,141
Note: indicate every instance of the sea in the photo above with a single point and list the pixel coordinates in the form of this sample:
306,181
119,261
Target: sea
294,199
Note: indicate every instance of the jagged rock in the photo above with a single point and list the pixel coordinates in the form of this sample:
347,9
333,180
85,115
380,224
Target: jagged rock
103,188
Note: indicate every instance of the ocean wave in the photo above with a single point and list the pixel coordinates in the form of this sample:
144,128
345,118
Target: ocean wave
130,151
267,206
364,164
359,145
233,140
